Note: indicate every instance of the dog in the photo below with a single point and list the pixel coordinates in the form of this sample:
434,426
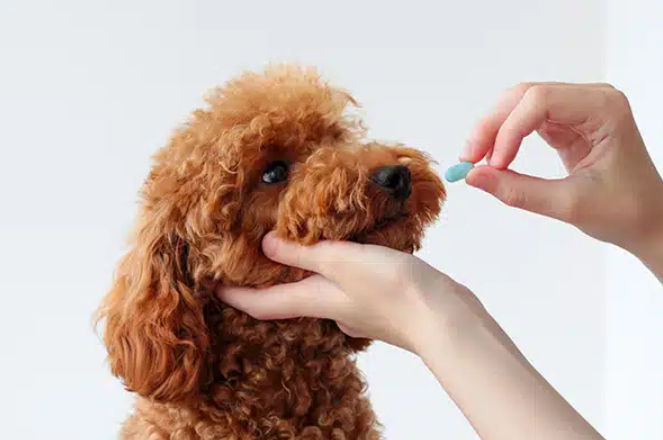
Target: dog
277,150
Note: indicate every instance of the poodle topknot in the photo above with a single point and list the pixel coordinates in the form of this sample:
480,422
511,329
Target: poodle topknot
272,151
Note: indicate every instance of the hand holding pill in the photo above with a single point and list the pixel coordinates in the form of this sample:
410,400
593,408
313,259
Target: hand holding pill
613,191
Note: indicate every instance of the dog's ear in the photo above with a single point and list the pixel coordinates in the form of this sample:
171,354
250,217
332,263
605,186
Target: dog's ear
155,331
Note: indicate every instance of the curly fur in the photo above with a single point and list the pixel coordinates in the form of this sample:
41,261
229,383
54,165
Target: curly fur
204,370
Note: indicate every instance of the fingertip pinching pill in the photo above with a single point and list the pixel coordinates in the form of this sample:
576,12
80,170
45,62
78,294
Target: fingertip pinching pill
458,171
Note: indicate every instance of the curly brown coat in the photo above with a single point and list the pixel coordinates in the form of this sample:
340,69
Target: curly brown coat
202,369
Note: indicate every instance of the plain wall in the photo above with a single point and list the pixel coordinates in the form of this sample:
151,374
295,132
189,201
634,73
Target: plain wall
634,299
89,89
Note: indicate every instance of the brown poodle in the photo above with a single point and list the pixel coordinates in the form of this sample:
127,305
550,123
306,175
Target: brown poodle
273,151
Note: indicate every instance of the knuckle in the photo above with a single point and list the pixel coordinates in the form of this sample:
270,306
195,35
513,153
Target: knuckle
574,202
570,209
517,90
617,103
513,197
618,99
522,87
537,94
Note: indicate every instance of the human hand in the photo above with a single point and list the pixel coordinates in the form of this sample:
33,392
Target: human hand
377,292
613,191
370,291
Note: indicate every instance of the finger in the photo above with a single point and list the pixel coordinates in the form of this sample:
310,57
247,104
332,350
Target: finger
311,257
313,297
489,154
561,104
343,263
482,137
315,258
350,331
552,198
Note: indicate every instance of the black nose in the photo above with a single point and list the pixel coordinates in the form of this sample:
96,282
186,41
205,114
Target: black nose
395,179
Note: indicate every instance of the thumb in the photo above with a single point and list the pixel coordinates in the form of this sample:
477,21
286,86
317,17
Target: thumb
552,198
315,297
320,257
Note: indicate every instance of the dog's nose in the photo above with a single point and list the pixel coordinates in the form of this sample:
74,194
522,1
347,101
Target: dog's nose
395,179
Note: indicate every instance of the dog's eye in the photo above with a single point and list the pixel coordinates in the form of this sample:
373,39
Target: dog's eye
276,172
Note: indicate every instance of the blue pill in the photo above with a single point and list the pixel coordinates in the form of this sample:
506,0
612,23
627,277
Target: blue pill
458,171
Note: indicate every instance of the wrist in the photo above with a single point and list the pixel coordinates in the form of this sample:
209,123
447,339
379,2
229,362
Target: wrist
650,251
465,337
648,245
448,315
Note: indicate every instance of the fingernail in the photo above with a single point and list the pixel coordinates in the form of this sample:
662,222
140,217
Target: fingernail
467,150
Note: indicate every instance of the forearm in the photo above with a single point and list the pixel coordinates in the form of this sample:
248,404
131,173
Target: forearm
500,393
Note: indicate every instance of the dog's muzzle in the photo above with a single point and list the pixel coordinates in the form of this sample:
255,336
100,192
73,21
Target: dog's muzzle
395,180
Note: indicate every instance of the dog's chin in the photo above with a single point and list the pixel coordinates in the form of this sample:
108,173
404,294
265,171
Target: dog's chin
393,232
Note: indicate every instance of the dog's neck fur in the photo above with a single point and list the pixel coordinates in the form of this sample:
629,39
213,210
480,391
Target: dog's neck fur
261,383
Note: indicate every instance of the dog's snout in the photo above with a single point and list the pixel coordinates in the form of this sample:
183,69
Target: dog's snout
395,179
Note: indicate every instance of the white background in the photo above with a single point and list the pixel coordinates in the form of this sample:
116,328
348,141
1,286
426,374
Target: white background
89,89
634,335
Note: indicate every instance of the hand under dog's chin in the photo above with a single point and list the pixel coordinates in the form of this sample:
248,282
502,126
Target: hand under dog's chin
404,236
402,233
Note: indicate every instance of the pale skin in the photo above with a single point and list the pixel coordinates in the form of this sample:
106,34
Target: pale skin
612,192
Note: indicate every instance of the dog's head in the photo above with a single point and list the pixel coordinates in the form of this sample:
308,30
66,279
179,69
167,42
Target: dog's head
273,151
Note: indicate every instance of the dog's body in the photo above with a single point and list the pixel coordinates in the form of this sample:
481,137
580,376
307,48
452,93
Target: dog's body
273,151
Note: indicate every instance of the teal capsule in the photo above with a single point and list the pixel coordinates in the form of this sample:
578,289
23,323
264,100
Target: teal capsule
458,171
